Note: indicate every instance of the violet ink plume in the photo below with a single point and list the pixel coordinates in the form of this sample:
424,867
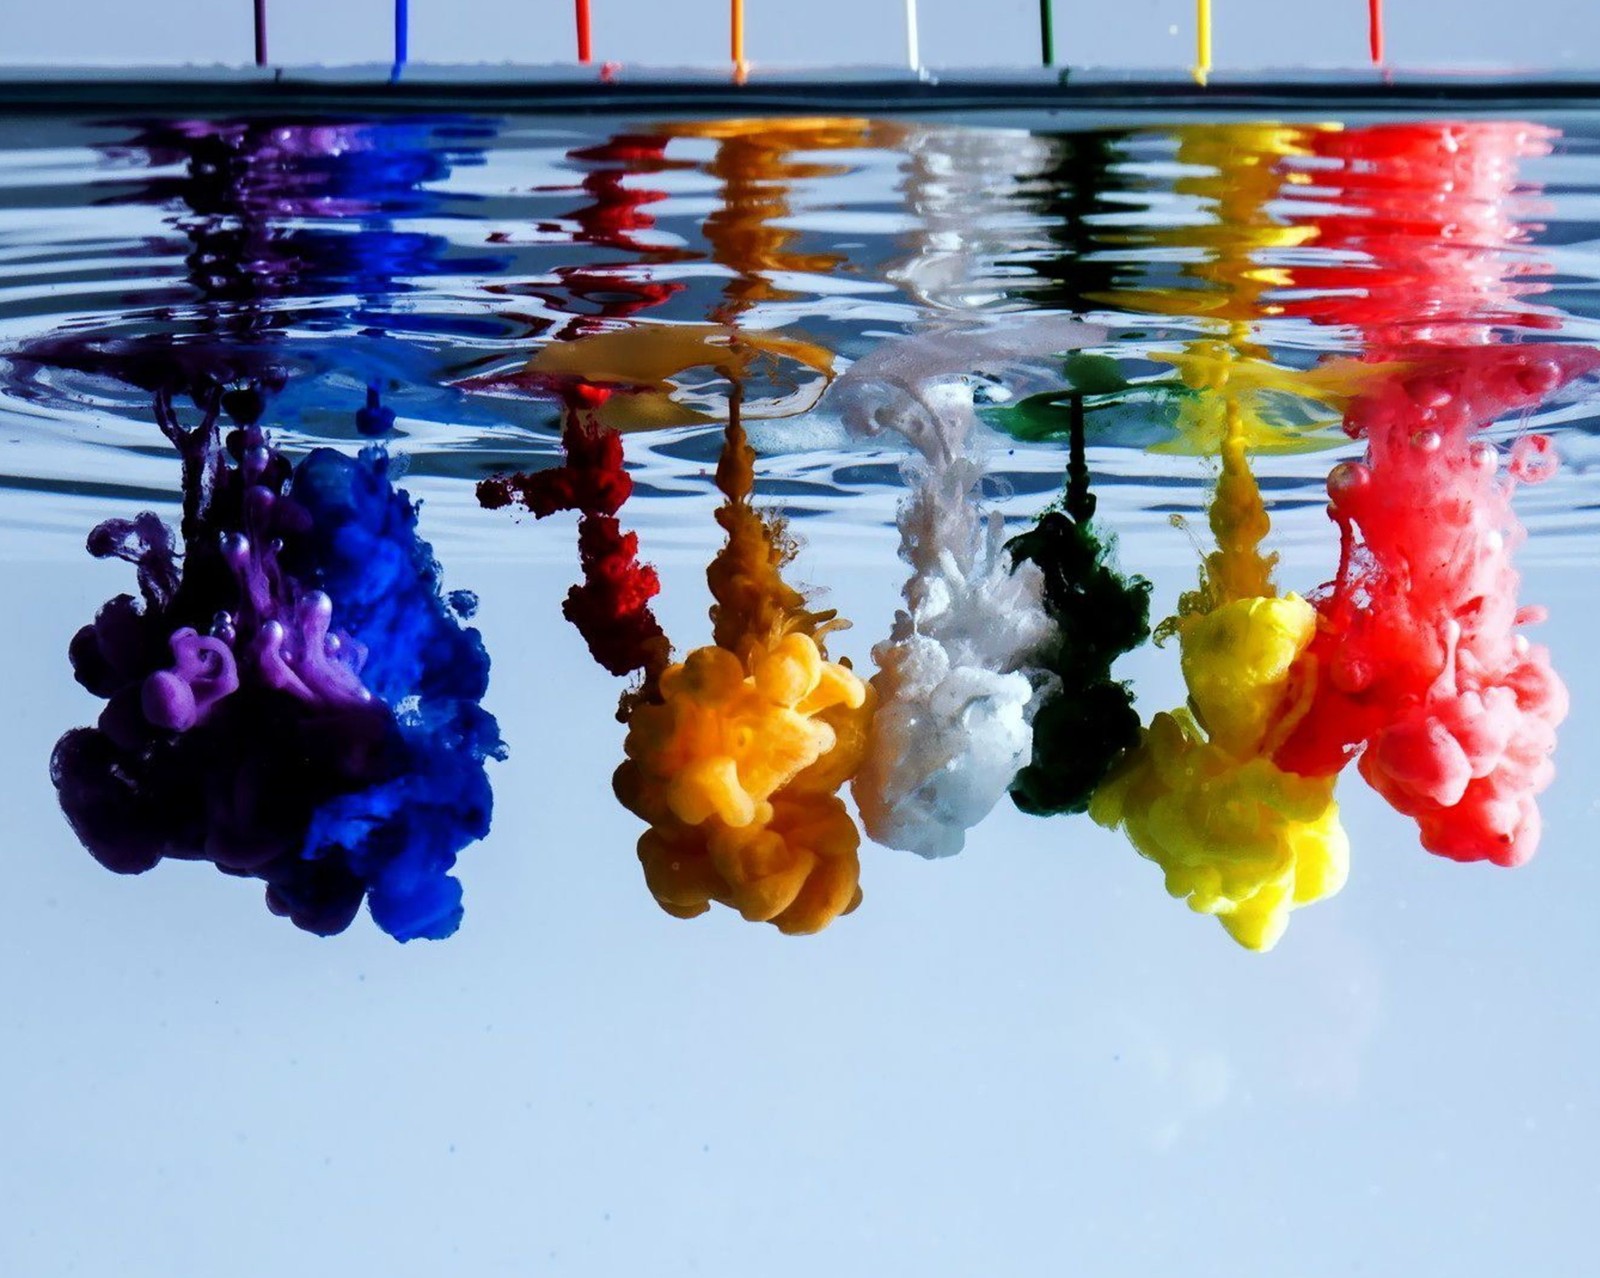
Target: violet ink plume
289,697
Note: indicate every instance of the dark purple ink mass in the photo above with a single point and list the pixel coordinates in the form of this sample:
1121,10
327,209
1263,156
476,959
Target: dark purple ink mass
290,698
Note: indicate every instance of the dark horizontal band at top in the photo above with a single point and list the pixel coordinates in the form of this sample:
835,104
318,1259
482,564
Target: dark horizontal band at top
869,91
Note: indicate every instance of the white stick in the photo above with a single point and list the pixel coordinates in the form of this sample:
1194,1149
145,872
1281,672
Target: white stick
913,53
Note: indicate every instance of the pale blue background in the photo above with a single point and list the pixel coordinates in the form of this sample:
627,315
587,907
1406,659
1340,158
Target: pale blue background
1024,1060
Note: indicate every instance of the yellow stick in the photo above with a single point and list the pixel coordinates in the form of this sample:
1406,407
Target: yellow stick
1202,50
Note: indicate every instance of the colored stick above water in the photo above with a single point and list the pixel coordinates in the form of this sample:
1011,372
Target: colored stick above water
585,40
736,34
402,30
913,46
1047,33
1375,29
1202,41
261,33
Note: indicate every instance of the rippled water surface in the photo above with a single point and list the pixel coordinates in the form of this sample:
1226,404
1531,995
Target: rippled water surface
1023,1057
436,255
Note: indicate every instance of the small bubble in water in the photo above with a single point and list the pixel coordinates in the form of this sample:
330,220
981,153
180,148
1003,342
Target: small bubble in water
1534,459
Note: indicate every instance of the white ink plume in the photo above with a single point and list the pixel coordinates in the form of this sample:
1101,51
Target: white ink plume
955,702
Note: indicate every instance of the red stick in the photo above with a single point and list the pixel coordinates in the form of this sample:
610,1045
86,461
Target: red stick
1375,29
585,44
